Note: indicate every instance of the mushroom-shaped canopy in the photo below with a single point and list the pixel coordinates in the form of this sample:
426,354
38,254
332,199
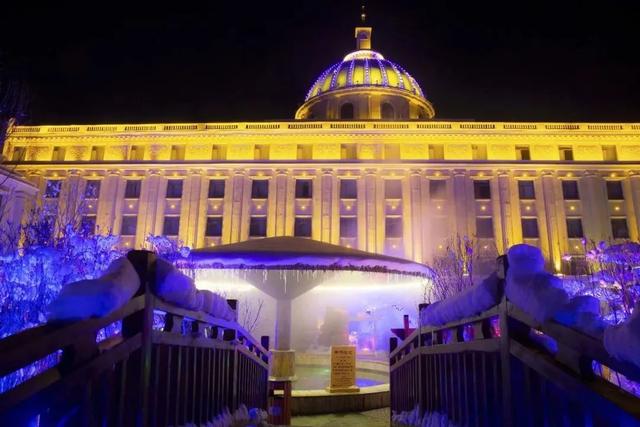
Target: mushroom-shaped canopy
272,261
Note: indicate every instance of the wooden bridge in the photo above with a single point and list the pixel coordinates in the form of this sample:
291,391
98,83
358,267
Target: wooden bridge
168,366
502,368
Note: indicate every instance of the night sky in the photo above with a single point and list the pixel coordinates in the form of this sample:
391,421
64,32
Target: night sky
233,60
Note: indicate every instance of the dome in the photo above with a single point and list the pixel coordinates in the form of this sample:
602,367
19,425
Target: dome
365,86
364,68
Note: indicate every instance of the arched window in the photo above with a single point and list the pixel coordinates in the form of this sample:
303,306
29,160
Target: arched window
422,114
387,112
346,111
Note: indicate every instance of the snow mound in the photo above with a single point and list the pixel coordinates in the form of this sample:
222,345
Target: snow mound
623,341
582,313
96,297
469,302
413,418
179,289
529,287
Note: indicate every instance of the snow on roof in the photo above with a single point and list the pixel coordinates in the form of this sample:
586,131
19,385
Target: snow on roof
295,253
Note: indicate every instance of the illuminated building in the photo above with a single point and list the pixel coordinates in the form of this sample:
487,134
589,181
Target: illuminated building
364,165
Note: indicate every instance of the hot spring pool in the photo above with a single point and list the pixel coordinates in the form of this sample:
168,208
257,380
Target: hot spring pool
317,377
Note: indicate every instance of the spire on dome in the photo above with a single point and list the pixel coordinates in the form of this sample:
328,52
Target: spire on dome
363,34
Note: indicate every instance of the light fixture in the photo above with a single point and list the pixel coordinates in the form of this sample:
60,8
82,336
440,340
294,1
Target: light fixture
576,247
438,207
130,205
173,206
90,206
212,244
439,246
437,173
303,207
569,174
480,173
528,208
259,207
572,208
617,208
348,207
393,207
613,175
483,208
215,207
394,246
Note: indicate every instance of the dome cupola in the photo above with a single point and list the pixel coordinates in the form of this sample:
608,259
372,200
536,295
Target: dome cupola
365,86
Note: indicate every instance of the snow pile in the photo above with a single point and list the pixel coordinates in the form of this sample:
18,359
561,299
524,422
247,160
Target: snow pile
467,303
582,313
179,289
622,341
241,417
413,418
529,287
96,297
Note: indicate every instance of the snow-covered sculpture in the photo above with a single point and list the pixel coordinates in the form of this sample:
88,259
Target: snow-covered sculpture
469,302
96,297
529,287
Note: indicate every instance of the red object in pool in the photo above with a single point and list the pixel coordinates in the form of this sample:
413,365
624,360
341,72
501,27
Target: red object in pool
403,333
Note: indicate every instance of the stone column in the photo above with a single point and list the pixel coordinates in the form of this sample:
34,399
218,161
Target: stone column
552,226
631,188
595,208
193,209
282,357
235,228
325,208
151,206
277,211
110,202
15,208
371,213
463,204
508,230
414,215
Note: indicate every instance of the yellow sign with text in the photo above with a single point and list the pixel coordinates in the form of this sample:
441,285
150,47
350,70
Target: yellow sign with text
343,369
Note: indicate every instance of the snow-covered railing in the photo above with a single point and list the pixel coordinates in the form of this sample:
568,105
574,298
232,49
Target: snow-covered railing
504,368
165,365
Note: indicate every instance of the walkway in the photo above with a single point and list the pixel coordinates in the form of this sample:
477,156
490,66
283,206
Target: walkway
375,418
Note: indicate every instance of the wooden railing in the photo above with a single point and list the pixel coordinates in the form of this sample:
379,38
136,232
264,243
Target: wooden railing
168,366
502,368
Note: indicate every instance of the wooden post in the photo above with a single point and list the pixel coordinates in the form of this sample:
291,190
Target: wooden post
141,322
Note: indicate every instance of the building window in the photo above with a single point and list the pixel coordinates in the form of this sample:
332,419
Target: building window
88,224
479,152
92,190
438,189
523,153
177,152
392,151
302,227
132,189
216,189
18,154
258,226
97,153
136,152
566,153
261,152
259,189
484,228
609,153
526,190
574,228
58,154
53,188
348,151
387,111
218,152
530,228
171,226
129,224
348,189
174,189
346,111
214,226
619,228
570,190
393,227
614,190
304,152
436,151
348,226
482,189
304,188
393,189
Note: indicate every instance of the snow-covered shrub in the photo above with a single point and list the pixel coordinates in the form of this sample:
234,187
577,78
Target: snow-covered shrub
414,419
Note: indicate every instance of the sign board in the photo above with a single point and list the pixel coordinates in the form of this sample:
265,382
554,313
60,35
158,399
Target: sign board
343,369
